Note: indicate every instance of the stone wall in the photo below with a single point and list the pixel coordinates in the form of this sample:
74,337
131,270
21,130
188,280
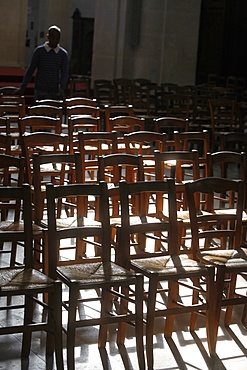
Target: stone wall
151,39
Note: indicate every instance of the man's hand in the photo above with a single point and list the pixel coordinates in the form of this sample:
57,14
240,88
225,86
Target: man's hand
18,91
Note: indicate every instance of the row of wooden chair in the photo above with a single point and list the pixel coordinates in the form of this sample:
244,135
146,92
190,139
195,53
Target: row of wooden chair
168,265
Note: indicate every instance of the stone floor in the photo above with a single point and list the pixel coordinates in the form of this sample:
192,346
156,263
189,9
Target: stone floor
184,351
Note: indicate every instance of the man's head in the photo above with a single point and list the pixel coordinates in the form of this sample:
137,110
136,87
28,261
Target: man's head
53,36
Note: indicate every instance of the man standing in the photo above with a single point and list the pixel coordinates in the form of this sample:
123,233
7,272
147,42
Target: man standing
50,61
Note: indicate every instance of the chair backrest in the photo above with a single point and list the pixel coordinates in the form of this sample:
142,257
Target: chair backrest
177,105
147,220
65,169
9,128
169,125
7,90
18,196
11,175
93,226
125,124
12,170
213,226
180,165
223,114
175,162
14,111
5,143
118,166
4,125
199,141
52,102
82,109
144,142
201,112
112,111
92,145
78,124
43,143
122,90
227,164
39,124
235,141
46,110
69,102
104,92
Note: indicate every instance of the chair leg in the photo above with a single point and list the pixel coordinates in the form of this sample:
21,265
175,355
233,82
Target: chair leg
210,317
172,298
27,333
106,305
219,286
195,298
231,293
244,314
152,291
122,326
139,321
57,317
73,295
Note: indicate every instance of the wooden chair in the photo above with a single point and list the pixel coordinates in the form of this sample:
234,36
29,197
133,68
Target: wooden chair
169,125
104,92
79,85
49,111
67,170
30,284
98,275
216,239
7,129
46,110
83,110
78,124
201,112
196,140
176,105
227,164
125,124
230,165
141,99
5,143
116,167
13,108
92,145
164,269
144,143
4,125
234,141
42,143
123,90
182,166
223,115
112,111
7,90
11,175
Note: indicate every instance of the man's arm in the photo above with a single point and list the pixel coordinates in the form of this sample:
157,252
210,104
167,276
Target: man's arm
29,72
